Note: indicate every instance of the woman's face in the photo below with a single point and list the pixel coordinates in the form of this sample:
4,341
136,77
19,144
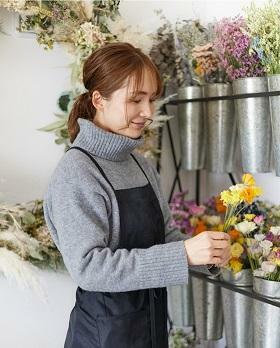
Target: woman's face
124,114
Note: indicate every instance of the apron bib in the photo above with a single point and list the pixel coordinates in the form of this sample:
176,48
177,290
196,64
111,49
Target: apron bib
131,319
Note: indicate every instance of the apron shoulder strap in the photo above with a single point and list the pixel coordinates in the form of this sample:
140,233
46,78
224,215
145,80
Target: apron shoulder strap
140,167
94,161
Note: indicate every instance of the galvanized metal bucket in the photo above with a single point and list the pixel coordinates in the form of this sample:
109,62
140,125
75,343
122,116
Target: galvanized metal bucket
191,128
266,317
208,314
274,85
180,305
237,310
254,125
221,129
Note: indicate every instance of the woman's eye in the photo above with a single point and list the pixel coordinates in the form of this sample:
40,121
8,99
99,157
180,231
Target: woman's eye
137,101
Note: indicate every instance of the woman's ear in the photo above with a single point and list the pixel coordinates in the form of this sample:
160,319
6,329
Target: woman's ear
97,100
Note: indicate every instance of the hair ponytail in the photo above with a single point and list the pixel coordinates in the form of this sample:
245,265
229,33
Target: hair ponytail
82,108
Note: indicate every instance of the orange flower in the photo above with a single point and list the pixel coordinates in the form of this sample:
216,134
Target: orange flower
200,227
220,207
234,234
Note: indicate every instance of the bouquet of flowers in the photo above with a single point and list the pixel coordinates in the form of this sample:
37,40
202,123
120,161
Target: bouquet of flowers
25,243
205,64
264,27
264,254
233,47
242,219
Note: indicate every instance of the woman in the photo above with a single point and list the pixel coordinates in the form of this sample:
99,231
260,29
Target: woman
107,215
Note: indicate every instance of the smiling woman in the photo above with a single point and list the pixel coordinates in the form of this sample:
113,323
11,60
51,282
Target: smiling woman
107,214
122,84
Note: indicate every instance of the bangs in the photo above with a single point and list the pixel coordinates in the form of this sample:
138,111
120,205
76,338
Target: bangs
137,78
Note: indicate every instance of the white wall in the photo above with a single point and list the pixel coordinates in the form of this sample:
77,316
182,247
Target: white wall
30,82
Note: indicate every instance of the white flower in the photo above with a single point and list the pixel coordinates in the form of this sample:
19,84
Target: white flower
245,227
237,187
259,273
268,266
266,244
132,34
213,220
275,230
88,8
259,237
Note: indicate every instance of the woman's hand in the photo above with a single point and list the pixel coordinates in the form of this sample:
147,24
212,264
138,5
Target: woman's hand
208,247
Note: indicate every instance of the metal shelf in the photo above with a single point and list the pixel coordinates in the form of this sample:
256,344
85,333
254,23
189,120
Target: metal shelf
247,291
225,97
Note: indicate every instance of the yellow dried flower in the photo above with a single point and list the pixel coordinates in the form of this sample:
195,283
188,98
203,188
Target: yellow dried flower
236,250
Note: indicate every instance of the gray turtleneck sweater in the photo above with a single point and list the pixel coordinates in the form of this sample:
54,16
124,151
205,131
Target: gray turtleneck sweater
81,212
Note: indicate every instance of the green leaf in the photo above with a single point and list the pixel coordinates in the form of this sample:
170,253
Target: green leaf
51,127
28,218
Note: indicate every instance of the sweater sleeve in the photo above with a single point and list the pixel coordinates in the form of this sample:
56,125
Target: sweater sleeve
173,234
77,210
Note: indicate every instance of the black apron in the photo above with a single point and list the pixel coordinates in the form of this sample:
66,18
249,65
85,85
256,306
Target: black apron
131,319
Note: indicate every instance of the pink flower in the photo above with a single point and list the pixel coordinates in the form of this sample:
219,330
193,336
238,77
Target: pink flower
258,219
194,209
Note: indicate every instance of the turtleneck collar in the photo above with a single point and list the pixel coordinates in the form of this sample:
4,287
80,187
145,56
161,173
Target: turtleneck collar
104,144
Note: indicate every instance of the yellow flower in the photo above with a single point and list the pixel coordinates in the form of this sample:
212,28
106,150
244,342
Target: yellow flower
236,250
249,193
248,179
235,265
241,240
276,261
231,197
194,221
249,217
232,221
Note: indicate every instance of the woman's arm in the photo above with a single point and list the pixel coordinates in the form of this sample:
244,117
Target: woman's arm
173,234
77,211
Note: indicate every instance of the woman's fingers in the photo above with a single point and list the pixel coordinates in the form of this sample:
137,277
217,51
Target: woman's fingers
220,244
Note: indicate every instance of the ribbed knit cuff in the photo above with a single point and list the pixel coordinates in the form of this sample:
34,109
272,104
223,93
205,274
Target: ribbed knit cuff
163,265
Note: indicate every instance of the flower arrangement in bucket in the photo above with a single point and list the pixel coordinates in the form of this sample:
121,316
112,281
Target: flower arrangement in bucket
263,25
233,46
264,254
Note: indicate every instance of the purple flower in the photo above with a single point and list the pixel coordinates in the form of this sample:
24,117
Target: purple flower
269,236
196,210
232,45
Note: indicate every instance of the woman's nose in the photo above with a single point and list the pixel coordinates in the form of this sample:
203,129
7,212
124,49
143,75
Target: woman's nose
147,111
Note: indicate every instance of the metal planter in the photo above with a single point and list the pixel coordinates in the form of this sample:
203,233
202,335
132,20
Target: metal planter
180,304
191,128
274,85
221,129
254,125
208,314
266,317
237,310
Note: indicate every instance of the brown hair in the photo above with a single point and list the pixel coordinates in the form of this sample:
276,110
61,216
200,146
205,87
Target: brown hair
106,70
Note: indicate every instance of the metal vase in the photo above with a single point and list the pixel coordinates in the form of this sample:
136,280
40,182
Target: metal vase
274,85
221,129
237,310
180,304
254,125
208,314
191,128
266,317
